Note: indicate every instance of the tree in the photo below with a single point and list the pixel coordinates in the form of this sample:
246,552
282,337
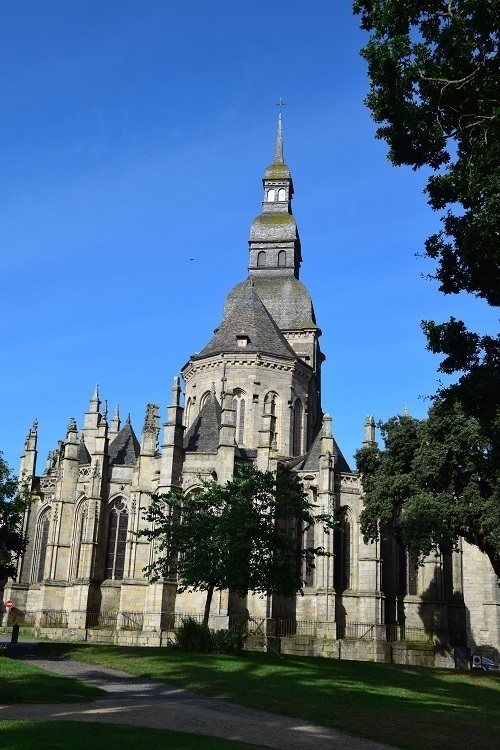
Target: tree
434,89
13,505
434,482
244,536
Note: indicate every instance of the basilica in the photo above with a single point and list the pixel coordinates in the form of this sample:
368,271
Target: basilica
252,394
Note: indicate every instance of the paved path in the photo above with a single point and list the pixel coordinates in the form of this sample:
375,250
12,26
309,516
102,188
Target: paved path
147,703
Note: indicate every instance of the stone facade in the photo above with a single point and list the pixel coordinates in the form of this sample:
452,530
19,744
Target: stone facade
253,394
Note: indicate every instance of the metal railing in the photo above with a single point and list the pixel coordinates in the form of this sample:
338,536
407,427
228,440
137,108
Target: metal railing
289,626
399,632
54,618
26,619
173,620
104,620
132,620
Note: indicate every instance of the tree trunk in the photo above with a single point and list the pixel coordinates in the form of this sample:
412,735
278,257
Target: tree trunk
208,602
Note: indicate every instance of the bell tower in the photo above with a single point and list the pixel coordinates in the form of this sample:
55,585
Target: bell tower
274,239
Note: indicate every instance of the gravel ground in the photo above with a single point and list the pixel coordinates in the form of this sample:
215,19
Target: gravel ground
147,703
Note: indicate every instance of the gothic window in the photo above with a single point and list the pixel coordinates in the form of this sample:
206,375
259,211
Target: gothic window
308,572
282,258
271,195
412,576
117,540
282,194
187,412
297,428
271,407
239,415
261,258
79,536
343,552
204,399
41,540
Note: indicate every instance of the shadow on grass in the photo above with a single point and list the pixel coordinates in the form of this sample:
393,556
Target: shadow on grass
49,735
410,707
24,683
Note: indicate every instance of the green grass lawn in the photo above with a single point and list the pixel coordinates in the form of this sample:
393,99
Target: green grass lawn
61,735
24,683
409,707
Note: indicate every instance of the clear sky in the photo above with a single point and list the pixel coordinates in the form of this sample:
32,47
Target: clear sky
134,135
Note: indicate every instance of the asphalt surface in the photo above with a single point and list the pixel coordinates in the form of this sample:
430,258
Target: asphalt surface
147,703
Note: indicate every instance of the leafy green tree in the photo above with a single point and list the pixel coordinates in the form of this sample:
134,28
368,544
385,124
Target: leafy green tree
434,90
244,536
433,483
13,505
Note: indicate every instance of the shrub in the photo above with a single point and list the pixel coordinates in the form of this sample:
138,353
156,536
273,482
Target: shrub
228,641
193,636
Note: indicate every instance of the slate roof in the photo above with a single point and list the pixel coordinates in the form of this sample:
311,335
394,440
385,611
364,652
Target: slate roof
248,316
83,454
203,435
285,298
310,461
125,448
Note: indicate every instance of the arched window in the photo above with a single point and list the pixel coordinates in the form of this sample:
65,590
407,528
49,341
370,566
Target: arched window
79,537
204,399
343,552
261,258
187,412
239,415
282,194
412,575
271,403
282,258
271,195
117,540
308,541
41,540
297,428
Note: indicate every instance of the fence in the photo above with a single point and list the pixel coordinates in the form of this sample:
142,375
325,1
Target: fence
399,632
104,620
282,627
54,618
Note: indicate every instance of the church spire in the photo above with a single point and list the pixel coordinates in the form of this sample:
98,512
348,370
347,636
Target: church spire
274,239
278,150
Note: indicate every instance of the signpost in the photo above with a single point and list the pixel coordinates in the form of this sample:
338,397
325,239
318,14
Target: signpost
9,603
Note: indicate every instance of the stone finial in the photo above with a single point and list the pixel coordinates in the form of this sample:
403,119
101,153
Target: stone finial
72,425
127,421
94,401
151,420
34,429
369,430
115,420
176,391
406,413
327,425
278,150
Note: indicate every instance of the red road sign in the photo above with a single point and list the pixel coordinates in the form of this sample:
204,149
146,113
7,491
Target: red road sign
9,603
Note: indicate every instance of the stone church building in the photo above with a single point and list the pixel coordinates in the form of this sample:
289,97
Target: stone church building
253,394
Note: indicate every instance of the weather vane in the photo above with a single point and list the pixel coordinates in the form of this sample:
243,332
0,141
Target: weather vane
280,104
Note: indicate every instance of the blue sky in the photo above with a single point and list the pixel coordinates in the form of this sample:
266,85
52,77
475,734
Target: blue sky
134,136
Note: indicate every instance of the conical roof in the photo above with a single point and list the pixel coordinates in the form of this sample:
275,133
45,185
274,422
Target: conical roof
82,454
125,448
203,435
310,462
248,327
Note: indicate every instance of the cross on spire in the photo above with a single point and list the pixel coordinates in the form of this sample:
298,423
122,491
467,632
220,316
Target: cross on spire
280,104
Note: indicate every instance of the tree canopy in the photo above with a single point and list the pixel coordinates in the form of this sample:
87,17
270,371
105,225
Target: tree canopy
433,483
435,93
434,90
244,536
13,504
